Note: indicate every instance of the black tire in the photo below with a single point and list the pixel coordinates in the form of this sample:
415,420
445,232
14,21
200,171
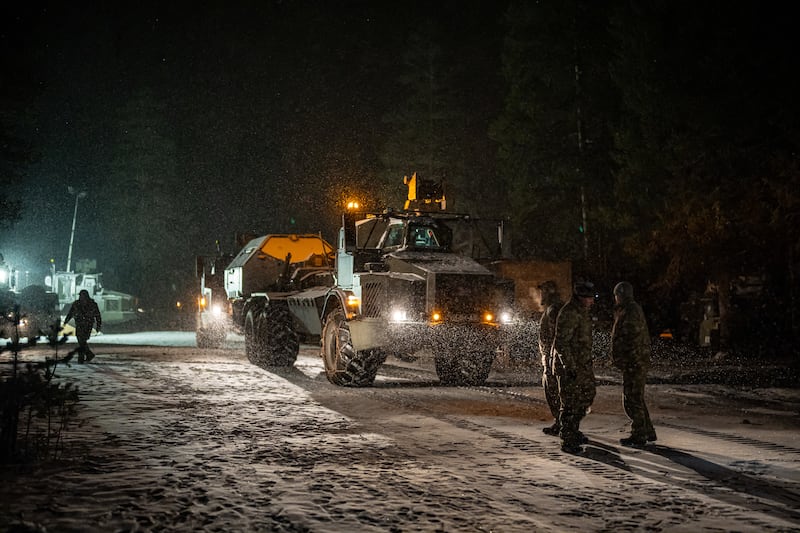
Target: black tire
253,348
463,370
280,341
343,365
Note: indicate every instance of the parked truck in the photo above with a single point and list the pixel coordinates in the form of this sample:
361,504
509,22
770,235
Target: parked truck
400,283
28,312
213,317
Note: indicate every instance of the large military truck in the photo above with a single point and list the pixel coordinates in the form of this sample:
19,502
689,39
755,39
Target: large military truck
405,285
258,283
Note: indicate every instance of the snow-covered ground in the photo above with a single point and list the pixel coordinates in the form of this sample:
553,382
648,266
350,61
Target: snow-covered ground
175,438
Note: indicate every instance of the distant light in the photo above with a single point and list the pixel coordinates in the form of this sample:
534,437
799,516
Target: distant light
399,315
436,316
353,205
178,305
216,310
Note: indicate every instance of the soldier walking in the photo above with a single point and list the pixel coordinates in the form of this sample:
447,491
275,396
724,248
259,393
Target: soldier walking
551,301
86,314
630,353
573,366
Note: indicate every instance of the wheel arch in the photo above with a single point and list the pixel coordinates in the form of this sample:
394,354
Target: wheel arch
335,299
253,302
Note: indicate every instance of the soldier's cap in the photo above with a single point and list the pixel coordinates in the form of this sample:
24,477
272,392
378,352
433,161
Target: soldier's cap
584,289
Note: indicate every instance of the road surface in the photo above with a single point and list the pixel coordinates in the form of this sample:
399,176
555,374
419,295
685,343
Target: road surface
176,438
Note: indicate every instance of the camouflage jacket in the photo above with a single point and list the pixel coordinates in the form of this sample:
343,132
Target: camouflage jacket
572,348
630,339
547,333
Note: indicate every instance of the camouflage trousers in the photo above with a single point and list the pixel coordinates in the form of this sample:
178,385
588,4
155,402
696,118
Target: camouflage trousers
633,381
576,395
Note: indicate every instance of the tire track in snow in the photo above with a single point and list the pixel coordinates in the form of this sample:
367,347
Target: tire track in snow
685,492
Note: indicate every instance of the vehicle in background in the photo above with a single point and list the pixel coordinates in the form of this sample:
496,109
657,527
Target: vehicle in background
27,313
115,307
213,309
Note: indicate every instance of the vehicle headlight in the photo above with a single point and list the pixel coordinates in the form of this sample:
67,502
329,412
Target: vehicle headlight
506,317
398,315
216,310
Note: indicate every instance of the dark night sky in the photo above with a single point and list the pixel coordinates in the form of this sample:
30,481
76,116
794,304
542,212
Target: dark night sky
259,84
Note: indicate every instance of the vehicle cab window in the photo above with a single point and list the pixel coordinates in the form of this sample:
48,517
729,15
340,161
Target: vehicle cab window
394,236
424,237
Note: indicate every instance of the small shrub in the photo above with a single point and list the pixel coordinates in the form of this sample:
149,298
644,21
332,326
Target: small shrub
35,411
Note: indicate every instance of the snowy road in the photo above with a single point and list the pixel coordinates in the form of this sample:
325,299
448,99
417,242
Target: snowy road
185,439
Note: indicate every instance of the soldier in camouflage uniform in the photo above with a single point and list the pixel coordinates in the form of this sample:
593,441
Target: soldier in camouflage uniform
551,301
630,352
573,366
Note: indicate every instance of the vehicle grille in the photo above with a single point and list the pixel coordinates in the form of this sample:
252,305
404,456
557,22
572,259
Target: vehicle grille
373,296
463,294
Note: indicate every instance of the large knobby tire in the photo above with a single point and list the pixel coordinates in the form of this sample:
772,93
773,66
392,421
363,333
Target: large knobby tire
343,365
280,341
253,340
463,369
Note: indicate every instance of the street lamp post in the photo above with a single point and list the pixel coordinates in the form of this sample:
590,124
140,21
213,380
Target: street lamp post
78,196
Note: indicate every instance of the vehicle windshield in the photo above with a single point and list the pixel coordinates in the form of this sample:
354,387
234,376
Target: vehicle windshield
417,236
423,237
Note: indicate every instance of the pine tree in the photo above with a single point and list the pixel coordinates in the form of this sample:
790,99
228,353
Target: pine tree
553,133
706,136
425,128
143,199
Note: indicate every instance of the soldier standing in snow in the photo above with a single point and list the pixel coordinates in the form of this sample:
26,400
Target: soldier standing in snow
86,314
572,364
630,353
551,301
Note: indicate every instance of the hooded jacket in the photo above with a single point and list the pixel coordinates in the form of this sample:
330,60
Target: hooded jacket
572,348
630,338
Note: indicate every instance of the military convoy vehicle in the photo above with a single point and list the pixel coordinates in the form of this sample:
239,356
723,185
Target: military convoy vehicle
399,283
246,294
406,285
259,284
